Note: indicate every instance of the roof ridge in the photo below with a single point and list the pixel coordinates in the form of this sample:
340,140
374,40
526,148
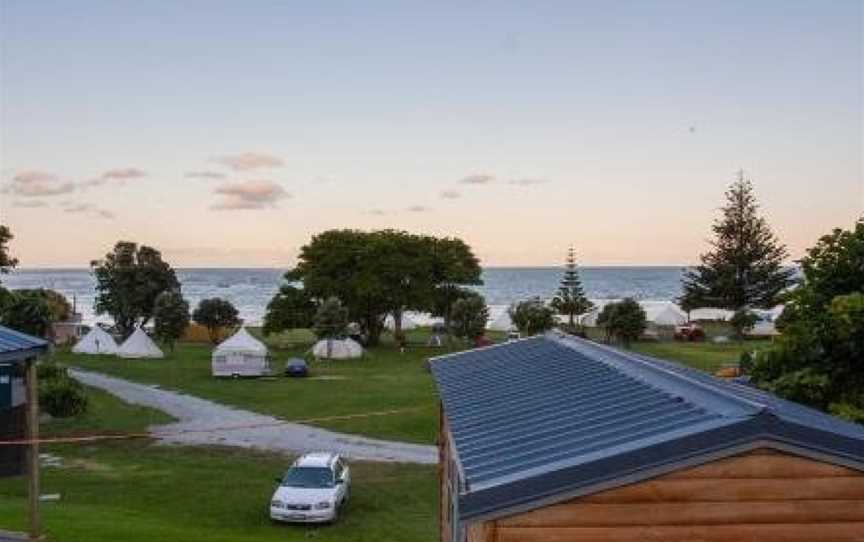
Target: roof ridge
715,398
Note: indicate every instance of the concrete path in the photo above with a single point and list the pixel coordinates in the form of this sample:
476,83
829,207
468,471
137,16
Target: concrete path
196,417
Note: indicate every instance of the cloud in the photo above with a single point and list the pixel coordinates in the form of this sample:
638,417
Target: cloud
205,175
119,175
477,179
450,194
377,212
29,204
249,195
418,209
528,182
248,161
35,183
89,209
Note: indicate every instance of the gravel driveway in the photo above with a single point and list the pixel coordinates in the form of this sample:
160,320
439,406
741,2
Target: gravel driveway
195,415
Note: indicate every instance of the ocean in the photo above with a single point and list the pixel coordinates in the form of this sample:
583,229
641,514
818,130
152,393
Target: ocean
250,289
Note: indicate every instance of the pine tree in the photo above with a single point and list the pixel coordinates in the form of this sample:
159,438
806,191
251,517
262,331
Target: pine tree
744,268
571,299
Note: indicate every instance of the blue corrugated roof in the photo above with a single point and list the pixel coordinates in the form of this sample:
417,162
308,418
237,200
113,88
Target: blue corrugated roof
550,415
17,346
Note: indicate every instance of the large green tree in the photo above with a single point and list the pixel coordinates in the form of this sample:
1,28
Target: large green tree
28,312
128,281
170,317
532,316
819,358
61,309
383,272
454,266
216,314
745,266
331,320
290,308
7,261
624,321
571,299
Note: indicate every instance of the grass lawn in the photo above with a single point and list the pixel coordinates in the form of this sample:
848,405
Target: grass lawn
139,491
385,380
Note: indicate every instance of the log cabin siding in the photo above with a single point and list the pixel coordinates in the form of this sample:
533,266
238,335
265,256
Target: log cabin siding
762,496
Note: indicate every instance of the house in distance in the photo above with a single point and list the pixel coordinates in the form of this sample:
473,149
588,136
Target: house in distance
556,438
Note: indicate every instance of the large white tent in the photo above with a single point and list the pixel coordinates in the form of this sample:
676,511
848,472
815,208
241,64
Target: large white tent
710,314
663,313
96,341
408,322
499,319
337,349
139,345
240,354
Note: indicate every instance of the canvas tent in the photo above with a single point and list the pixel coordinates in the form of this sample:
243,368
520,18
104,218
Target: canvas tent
337,349
663,313
96,341
240,354
408,322
499,319
139,345
710,314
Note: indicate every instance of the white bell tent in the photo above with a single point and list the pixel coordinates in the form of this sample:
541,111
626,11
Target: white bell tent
240,354
139,345
337,349
710,314
663,313
96,341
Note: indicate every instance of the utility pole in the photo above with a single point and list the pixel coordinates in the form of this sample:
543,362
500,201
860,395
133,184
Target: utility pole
32,394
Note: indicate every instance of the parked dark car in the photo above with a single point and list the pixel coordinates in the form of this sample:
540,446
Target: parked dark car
296,367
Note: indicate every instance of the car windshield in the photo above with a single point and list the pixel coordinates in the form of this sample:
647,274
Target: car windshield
312,477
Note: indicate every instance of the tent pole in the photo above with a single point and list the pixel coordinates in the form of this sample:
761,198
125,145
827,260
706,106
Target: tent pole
32,394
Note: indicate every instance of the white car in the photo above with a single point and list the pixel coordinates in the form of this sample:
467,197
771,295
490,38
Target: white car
313,490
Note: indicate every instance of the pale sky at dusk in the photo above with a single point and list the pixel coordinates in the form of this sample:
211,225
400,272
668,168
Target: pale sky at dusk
227,133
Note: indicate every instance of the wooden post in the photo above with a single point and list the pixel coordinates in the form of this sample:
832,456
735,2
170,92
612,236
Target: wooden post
35,530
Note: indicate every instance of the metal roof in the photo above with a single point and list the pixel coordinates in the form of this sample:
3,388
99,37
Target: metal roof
17,346
549,417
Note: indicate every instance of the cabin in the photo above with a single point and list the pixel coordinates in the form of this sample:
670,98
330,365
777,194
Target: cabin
553,438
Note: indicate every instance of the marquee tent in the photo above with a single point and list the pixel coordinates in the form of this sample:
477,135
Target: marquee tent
337,349
240,354
96,341
139,345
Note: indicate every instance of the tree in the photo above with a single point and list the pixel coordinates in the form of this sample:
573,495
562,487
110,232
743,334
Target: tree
469,316
532,316
378,273
741,322
128,281
290,308
170,317
624,321
454,266
61,309
571,299
29,313
745,266
215,314
819,358
7,262
331,320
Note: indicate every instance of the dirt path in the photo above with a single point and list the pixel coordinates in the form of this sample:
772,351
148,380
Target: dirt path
195,415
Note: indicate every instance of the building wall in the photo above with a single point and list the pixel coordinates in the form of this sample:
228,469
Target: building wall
761,496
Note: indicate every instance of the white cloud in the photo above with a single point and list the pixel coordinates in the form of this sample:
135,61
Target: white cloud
249,195
35,183
528,182
418,209
205,175
249,161
477,179
88,209
29,204
450,194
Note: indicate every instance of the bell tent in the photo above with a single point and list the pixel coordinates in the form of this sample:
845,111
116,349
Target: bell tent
96,341
139,345
240,354
337,349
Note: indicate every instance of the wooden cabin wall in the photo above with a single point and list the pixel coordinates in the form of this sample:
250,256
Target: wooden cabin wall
444,528
761,496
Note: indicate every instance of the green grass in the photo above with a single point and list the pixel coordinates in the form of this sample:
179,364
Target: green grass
383,381
136,490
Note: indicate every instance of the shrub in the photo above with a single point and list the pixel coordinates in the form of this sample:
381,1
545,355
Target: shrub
62,397
50,371
331,320
468,317
742,321
624,321
532,316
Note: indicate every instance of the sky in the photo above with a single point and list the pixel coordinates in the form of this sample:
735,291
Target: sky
229,133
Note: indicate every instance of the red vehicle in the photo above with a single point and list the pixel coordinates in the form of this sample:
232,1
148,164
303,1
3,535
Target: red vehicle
689,333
